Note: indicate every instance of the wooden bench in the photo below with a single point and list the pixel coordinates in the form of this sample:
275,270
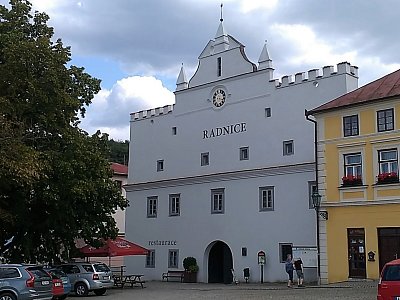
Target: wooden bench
128,279
173,274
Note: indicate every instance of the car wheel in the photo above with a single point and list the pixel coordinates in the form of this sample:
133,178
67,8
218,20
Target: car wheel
81,289
7,296
100,292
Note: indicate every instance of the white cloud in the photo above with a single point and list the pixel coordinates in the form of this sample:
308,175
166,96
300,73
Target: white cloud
110,109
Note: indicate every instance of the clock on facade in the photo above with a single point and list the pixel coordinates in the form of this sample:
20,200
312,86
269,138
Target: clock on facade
219,97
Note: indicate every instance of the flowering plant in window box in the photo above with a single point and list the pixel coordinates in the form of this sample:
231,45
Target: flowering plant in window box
351,180
389,177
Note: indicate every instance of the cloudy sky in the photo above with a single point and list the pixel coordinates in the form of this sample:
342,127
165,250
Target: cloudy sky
136,47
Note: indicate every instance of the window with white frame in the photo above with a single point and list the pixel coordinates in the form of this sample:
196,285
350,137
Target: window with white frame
173,258
350,125
205,159
385,119
160,165
388,162
244,153
266,196
288,147
353,165
217,201
152,207
174,204
151,259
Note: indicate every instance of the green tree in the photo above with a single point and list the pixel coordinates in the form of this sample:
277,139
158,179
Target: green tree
55,180
119,151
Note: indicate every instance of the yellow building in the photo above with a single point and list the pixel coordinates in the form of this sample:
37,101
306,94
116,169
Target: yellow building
358,144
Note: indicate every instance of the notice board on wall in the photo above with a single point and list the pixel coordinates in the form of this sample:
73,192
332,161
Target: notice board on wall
307,254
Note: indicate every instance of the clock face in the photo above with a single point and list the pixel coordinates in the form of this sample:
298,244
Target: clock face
219,97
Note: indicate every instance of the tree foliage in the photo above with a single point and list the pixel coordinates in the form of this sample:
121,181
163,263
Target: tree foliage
55,180
119,151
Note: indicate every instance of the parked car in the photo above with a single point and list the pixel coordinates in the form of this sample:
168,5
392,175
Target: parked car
88,276
58,288
389,281
55,272
24,282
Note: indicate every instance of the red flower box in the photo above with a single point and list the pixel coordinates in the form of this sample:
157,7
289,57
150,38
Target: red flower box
352,180
390,177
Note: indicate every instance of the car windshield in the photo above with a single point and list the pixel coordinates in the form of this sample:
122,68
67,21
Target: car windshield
101,268
38,273
391,273
57,273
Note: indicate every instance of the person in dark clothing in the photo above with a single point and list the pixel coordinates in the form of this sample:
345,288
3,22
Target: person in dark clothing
289,269
298,266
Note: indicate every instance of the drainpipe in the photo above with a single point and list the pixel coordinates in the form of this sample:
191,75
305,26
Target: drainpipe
306,113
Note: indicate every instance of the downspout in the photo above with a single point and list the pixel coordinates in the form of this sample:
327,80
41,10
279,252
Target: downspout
306,113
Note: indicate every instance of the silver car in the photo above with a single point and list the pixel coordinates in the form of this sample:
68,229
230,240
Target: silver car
24,282
88,276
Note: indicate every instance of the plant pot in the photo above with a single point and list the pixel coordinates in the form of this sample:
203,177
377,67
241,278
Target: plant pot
190,277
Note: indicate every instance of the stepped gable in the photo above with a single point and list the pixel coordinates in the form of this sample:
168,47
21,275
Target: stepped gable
385,87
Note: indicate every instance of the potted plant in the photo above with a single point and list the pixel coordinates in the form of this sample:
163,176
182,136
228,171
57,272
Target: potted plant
191,269
389,177
351,180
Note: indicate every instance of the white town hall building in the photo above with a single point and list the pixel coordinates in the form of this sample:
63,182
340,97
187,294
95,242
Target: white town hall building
227,171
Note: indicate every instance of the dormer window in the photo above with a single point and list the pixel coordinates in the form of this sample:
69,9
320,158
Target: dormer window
219,66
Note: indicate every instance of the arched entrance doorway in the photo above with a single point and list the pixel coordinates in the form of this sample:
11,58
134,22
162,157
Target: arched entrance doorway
220,263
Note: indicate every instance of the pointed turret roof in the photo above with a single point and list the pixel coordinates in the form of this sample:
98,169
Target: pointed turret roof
221,31
264,61
382,88
182,77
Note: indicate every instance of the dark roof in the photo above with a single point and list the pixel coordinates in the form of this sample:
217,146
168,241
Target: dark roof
385,87
119,169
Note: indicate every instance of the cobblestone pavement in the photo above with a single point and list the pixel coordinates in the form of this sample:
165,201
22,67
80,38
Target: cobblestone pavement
365,290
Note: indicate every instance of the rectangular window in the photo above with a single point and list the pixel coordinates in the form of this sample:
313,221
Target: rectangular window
288,147
388,162
312,188
151,259
160,165
152,207
174,204
385,119
268,112
266,196
217,201
173,256
350,125
244,153
219,66
353,165
173,130
284,251
205,159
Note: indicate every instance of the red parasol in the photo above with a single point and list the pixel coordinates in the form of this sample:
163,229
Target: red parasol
117,247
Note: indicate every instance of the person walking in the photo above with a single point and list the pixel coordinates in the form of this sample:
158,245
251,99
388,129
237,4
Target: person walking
298,266
289,269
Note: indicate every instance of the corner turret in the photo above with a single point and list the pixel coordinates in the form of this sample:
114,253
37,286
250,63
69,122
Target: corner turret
181,82
264,62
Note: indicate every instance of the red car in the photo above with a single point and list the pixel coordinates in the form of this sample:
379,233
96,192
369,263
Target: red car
58,288
389,281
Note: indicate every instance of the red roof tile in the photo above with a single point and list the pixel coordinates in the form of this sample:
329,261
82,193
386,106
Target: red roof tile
119,169
385,87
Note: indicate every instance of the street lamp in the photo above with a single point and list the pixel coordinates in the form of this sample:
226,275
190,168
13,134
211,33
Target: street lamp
316,199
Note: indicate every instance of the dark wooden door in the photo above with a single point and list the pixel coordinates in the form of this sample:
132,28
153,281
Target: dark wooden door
388,245
356,252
